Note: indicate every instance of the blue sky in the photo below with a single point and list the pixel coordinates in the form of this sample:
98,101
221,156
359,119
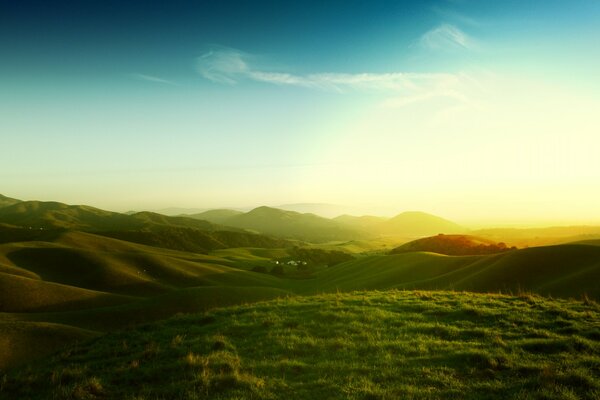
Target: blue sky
476,110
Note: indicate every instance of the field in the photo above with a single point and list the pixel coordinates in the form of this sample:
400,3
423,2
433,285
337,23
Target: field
360,345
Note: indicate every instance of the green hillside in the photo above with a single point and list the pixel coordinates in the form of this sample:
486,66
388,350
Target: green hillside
34,220
415,223
100,284
21,341
54,215
294,225
528,237
166,231
589,242
363,345
563,271
407,224
126,270
367,222
218,216
21,294
7,201
452,245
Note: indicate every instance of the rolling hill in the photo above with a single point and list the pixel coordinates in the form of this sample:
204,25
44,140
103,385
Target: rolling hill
89,271
54,215
411,224
561,271
312,228
7,201
218,216
33,220
367,223
452,245
526,237
292,225
99,284
415,224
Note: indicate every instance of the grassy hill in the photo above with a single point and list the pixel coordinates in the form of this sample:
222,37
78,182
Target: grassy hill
415,223
452,245
563,271
7,201
69,285
294,225
99,284
218,216
365,222
21,340
312,228
407,224
528,237
362,345
54,215
34,220
589,242
84,281
71,271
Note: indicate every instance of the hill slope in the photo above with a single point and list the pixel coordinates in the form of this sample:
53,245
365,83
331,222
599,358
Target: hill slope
291,224
563,271
54,215
7,201
452,245
409,224
218,216
527,237
39,220
92,282
354,346
415,224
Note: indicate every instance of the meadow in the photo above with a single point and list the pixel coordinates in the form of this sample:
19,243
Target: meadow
360,345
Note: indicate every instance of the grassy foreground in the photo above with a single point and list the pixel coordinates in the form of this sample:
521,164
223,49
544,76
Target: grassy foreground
361,345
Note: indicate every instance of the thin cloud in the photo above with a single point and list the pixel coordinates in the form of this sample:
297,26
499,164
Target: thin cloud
223,65
456,17
155,79
230,66
446,37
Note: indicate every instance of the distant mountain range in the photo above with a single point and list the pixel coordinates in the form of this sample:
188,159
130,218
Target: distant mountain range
313,228
321,209
267,226
148,227
30,220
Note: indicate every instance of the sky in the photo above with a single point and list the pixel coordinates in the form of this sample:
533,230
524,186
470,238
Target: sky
483,112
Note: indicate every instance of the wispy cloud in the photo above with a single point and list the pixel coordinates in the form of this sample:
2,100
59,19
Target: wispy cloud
456,17
446,37
151,78
230,66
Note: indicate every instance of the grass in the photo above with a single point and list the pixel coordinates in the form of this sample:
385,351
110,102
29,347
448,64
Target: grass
20,294
563,271
360,345
21,341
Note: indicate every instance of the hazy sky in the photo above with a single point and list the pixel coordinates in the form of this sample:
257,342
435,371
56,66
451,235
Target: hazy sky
473,110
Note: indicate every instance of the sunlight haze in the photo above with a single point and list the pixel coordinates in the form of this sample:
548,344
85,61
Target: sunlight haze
482,112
